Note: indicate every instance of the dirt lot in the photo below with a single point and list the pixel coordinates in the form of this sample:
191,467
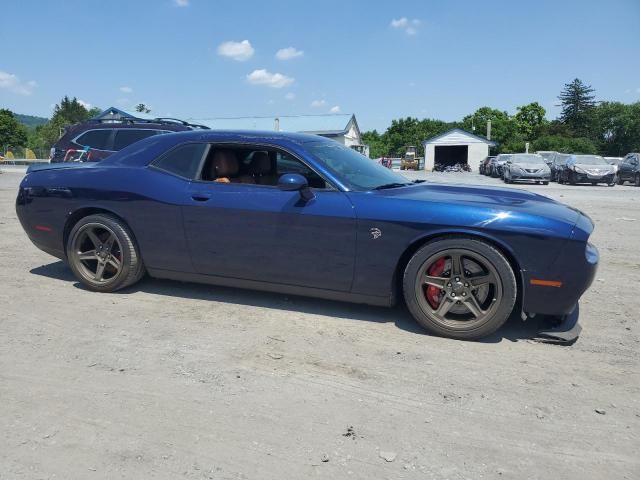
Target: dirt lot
171,380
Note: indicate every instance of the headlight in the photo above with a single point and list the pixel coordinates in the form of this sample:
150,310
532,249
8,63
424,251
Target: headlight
578,169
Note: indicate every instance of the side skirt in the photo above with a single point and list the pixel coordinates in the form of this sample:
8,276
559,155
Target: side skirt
272,287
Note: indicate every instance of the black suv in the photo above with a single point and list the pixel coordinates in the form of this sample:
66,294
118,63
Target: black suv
95,140
629,169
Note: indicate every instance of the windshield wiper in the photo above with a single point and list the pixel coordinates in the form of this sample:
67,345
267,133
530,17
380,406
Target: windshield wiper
419,181
391,185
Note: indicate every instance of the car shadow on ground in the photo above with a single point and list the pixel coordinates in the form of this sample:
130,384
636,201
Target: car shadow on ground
514,329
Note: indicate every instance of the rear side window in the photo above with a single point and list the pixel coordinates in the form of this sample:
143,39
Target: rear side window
98,139
182,161
126,137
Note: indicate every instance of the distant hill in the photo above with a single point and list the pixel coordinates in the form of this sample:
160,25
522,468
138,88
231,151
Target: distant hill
30,120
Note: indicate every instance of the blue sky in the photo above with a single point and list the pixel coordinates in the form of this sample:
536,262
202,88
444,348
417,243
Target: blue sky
378,59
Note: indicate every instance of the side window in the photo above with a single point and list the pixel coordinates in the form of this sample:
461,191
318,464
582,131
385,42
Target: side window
126,137
98,139
287,164
182,161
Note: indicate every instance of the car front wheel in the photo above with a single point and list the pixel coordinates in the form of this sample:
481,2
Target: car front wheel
637,180
103,254
459,288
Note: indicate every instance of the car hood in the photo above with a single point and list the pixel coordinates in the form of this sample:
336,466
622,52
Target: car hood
494,199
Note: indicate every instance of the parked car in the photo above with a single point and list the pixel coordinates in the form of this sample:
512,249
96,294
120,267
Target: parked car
497,166
482,169
587,169
306,215
629,170
548,156
95,140
557,163
526,167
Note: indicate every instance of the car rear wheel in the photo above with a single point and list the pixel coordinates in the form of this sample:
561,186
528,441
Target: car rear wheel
459,288
103,255
637,182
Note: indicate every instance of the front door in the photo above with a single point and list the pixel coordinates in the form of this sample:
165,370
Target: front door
257,232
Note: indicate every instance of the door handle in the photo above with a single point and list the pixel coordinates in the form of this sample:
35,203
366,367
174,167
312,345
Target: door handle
201,197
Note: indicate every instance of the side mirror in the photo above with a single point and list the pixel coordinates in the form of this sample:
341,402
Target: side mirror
291,182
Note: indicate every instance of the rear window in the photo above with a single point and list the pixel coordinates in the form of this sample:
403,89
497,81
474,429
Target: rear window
98,139
126,137
182,161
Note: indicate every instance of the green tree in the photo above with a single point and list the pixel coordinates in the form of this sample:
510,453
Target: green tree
577,100
530,119
12,133
142,108
503,127
67,112
564,144
617,128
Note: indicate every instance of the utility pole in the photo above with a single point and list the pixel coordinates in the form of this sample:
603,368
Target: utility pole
488,129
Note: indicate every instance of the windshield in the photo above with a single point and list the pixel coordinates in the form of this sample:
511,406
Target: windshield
502,158
527,159
353,168
547,155
590,160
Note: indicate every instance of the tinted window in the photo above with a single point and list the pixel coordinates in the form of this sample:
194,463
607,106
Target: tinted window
98,139
126,137
358,171
183,160
288,164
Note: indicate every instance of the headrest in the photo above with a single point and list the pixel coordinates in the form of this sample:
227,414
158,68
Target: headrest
224,164
260,163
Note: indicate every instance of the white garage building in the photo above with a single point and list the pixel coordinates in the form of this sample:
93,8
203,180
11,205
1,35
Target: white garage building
456,146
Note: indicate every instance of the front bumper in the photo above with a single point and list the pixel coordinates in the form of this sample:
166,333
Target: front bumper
571,274
588,178
522,176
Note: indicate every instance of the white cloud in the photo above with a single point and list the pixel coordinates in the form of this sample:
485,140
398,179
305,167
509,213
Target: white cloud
288,53
265,77
181,3
86,105
239,51
290,96
126,89
335,109
409,26
12,82
318,103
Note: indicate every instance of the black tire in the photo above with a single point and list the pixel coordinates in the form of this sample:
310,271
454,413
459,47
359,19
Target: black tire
131,268
620,181
545,183
497,314
637,180
572,179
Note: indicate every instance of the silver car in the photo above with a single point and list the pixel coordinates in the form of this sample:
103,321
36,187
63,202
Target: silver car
527,167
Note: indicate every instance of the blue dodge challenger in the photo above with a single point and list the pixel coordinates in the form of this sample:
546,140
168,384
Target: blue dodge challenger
306,215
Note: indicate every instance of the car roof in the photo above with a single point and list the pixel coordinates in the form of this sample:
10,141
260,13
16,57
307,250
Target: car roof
250,136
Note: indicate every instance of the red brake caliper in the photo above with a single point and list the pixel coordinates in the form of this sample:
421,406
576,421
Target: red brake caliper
432,293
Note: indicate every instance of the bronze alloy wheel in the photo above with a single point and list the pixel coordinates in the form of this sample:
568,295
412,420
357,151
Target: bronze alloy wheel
97,253
459,287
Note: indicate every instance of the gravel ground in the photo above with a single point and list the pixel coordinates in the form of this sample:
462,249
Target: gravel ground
171,380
